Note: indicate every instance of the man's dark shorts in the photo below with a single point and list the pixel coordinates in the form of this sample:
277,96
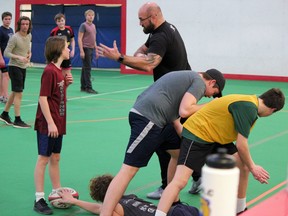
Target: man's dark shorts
17,76
66,64
193,154
143,142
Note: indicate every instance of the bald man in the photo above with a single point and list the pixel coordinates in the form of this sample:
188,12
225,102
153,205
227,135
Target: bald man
163,52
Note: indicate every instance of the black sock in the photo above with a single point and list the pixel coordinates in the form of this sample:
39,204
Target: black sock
4,113
17,118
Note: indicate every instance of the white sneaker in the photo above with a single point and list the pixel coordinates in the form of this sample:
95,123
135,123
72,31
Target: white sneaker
196,187
155,194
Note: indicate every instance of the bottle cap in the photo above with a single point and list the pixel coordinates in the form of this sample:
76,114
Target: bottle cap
221,160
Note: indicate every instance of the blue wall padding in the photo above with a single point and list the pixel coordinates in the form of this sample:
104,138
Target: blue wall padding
107,21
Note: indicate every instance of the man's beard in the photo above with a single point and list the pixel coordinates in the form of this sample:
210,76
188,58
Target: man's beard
149,29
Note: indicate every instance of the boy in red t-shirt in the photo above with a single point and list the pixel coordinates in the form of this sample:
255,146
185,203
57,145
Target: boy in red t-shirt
50,122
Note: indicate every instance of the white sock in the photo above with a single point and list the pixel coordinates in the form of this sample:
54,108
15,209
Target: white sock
241,204
160,213
39,195
55,190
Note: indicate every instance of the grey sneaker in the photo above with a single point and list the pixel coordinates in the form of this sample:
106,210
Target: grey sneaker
21,124
196,187
42,207
6,119
155,194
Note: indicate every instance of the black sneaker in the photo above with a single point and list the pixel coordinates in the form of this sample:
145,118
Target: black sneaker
91,91
83,89
6,119
42,207
21,124
239,213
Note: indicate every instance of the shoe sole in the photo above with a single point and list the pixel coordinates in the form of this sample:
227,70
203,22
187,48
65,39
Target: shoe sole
49,213
153,198
17,126
194,192
7,123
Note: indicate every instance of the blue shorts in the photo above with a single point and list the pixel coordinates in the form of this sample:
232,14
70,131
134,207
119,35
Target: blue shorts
5,68
144,140
48,145
183,210
193,154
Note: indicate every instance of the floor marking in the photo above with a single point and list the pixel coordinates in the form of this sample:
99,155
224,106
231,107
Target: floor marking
268,139
251,202
97,120
94,95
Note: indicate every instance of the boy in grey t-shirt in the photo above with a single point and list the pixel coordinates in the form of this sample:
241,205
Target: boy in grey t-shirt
172,96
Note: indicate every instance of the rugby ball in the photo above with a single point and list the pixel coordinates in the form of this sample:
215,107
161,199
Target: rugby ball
56,200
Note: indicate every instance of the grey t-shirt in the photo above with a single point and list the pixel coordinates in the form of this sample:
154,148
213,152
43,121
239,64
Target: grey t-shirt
160,102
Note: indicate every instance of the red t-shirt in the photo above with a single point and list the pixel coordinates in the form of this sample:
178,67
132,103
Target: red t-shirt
54,88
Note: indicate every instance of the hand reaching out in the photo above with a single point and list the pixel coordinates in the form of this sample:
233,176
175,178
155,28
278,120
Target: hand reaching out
111,53
260,174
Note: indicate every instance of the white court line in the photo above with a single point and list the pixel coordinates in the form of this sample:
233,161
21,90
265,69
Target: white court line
268,139
117,77
93,95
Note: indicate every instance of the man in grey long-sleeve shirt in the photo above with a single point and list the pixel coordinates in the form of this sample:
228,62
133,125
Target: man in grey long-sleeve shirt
19,51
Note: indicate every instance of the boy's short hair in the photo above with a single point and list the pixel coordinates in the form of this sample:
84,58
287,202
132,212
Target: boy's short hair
59,16
273,98
89,11
5,14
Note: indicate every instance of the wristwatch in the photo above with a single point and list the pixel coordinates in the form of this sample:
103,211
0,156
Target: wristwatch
121,58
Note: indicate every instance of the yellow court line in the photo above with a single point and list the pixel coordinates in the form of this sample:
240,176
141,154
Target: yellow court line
251,202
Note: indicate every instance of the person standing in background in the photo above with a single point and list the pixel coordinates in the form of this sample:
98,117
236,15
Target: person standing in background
87,46
63,30
19,51
5,33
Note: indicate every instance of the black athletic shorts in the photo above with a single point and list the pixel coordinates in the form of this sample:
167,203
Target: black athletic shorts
17,77
169,138
66,64
193,154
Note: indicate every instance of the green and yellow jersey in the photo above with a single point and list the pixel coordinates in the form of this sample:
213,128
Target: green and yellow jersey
222,119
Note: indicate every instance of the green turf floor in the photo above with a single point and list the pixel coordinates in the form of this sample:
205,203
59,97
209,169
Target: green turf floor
97,135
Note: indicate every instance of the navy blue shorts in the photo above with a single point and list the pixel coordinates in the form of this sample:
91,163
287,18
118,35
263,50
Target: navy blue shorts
183,210
5,68
48,145
193,154
17,76
143,142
